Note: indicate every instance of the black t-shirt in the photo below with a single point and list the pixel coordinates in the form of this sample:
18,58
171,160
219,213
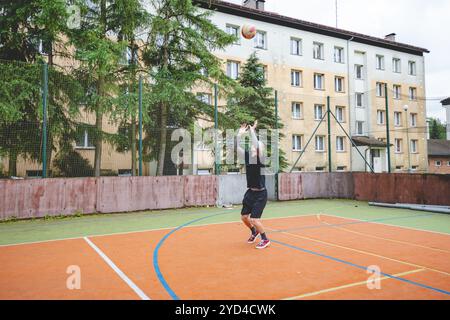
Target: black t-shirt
253,172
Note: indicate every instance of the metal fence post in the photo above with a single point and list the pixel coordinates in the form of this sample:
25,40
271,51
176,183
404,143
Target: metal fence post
140,126
44,117
388,138
329,135
216,127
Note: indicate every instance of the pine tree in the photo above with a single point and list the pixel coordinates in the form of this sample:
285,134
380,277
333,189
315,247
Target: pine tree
181,45
254,100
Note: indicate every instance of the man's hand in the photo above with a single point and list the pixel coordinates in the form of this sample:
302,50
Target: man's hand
253,127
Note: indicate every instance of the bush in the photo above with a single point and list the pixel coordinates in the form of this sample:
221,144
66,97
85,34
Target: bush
72,164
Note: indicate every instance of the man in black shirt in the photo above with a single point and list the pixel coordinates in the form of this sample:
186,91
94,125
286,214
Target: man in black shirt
255,198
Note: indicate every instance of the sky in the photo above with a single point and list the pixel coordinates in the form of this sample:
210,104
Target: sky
416,22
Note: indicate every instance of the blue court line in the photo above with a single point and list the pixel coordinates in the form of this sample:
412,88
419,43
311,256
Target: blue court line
360,267
160,243
169,290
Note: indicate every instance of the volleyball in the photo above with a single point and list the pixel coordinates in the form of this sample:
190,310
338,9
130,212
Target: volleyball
248,31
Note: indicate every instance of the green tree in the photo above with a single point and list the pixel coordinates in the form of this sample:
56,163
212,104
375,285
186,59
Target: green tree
437,129
253,100
181,44
29,32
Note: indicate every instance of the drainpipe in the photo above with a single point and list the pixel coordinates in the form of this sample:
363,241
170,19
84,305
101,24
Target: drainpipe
349,99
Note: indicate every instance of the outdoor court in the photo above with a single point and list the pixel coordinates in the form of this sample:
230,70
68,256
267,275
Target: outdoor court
321,249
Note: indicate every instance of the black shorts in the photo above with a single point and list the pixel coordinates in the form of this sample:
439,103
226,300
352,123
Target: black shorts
254,203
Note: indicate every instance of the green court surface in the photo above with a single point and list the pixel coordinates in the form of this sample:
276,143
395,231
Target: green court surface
14,232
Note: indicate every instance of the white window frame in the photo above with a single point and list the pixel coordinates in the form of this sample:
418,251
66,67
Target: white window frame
359,71
359,125
339,55
398,145
317,139
297,81
397,119
317,107
319,79
261,40
397,91
296,43
414,143
380,117
201,97
380,89
379,62
438,163
361,95
340,144
341,80
413,120
295,115
233,73
412,93
412,68
230,28
85,142
340,115
297,142
396,65
318,51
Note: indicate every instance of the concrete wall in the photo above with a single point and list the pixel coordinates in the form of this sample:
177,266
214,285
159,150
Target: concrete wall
40,197
233,187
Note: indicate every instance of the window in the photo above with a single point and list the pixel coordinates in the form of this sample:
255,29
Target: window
359,127
234,31
398,145
205,97
380,62
412,68
296,78
129,56
340,114
320,169
414,168
412,93
320,143
414,144
297,142
318,111
413,119
338,55
380,89
233,69
261,40
341,168
437,163
397,119
125,172
340,144
203,172
296,47
297,110
359,69
204,72
339,84
319,81
397,91
448,163
359,99
399,168
85,137
318,51
380,117
396,65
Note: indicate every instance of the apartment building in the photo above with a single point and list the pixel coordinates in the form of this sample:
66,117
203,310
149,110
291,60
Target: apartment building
306,62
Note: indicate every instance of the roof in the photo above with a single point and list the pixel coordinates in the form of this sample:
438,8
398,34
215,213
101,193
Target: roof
439,147
369,142
274,18
446,102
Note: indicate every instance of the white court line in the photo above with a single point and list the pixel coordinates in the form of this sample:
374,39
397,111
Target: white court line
119,272
386,224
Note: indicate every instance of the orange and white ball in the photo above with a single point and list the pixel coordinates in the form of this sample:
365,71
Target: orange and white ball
248,31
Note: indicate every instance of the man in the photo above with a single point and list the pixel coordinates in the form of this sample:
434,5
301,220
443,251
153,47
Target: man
255,198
